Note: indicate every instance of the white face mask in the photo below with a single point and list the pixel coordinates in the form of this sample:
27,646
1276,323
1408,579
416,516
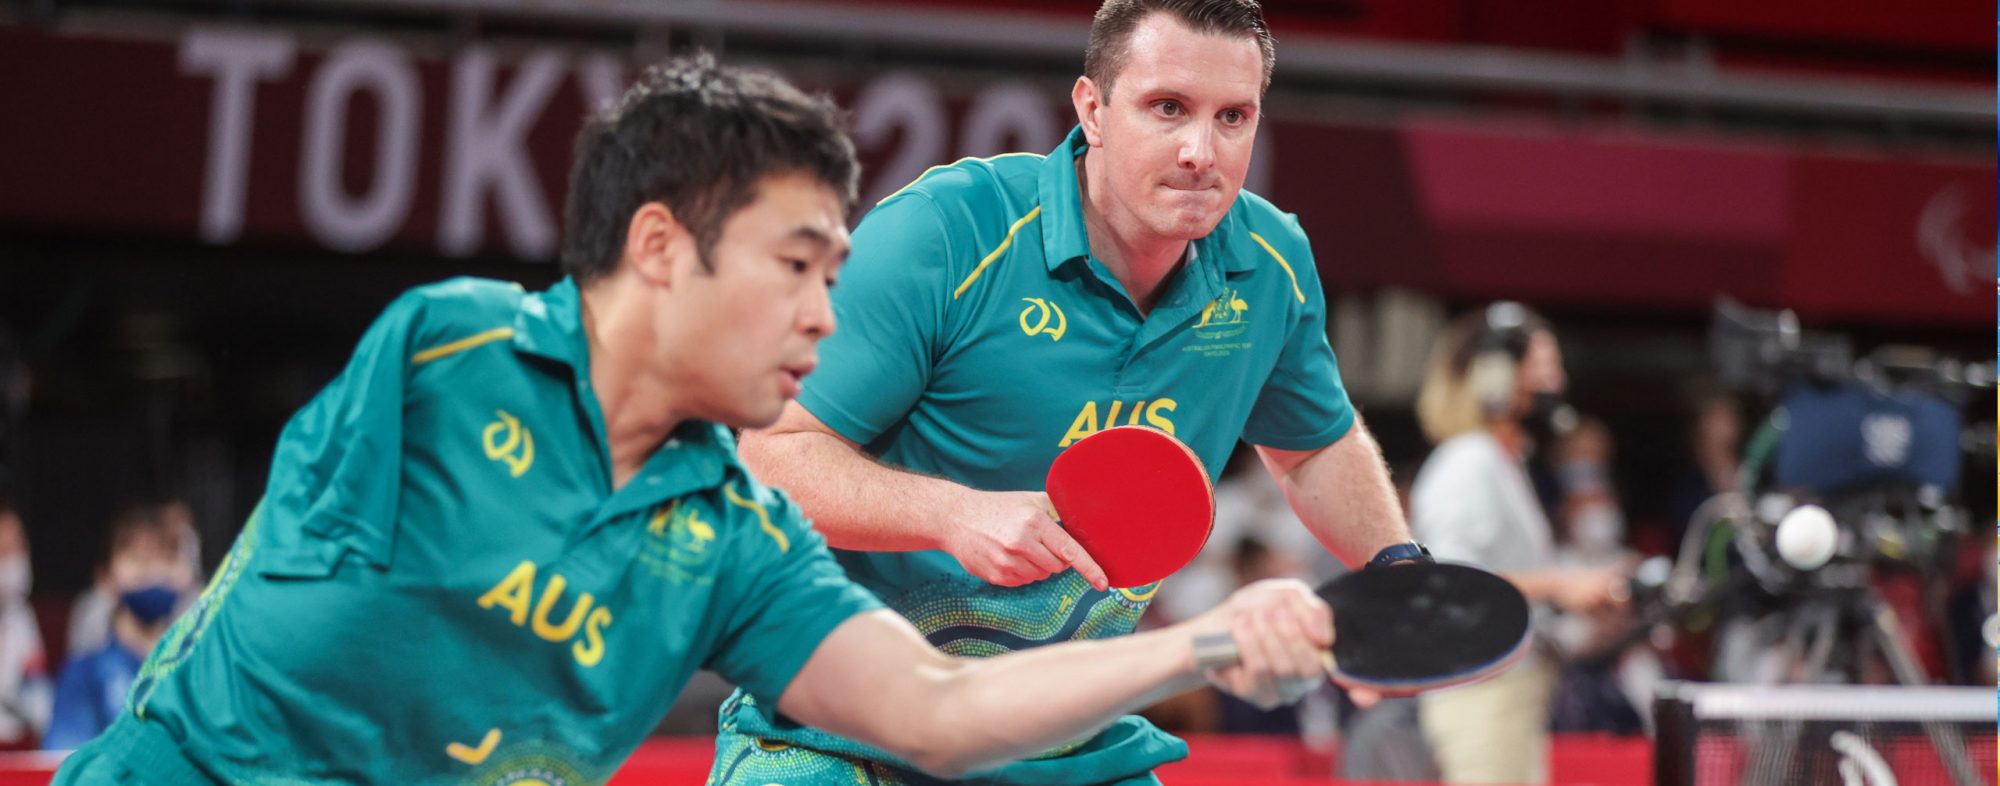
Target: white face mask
15,577
1597,528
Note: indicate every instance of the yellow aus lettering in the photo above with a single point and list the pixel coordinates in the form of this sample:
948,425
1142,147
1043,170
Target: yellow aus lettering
516,448
517,591
559,633
591,650
513,593
1154,412
1084,425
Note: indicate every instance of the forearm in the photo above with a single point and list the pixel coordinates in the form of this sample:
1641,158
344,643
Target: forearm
876,680
1536,585
1001,709
853,500
1342,493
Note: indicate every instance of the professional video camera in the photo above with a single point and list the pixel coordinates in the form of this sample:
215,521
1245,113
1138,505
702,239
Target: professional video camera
1856,469
1879,441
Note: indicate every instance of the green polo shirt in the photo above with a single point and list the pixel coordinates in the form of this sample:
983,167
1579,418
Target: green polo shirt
442,586
978,337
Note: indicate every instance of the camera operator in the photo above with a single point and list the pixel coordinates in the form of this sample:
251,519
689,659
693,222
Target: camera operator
1493,391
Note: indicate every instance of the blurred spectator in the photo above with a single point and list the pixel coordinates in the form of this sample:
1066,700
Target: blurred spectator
1592,523
90,617
1602,697
24,682
150,577
1716,443
1492,391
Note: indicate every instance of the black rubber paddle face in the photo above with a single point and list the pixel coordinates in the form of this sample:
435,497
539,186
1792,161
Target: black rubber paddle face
1412,627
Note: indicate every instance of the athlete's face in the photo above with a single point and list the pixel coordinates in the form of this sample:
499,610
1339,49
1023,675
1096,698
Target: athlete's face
1176,131
754,323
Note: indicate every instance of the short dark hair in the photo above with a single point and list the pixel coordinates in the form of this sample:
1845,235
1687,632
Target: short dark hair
697,137
146,520
1112,30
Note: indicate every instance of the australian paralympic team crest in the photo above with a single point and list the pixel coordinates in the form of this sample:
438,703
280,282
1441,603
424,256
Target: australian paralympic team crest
532,767
1223,320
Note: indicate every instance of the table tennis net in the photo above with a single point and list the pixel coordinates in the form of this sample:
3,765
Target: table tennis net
1711,735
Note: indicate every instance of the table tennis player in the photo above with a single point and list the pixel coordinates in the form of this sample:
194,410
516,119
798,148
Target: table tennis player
998,310
493,549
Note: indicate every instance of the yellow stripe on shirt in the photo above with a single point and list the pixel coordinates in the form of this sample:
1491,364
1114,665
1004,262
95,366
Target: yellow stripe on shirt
763,518
1002,249
1281,263
461,345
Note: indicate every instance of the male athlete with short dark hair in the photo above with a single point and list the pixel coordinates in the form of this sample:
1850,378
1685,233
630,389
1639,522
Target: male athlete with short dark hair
998,310
493,549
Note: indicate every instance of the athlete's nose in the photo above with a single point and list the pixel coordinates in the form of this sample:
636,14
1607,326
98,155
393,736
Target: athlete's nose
1198,148
816,317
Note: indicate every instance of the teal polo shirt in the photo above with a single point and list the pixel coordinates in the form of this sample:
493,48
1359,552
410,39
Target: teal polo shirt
978,337
442,586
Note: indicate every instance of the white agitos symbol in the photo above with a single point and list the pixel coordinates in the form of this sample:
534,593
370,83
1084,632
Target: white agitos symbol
1886,439
1962,264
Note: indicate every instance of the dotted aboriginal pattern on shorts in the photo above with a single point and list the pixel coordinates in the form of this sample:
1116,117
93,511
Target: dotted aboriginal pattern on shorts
976,619
748,761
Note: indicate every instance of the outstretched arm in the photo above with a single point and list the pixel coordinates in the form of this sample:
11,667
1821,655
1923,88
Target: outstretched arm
876,680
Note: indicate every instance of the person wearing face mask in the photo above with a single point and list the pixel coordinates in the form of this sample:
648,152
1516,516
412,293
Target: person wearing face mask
148,577
24,683
1492,393
90,616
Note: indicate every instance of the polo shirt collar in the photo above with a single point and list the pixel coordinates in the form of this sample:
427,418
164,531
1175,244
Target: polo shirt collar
699,454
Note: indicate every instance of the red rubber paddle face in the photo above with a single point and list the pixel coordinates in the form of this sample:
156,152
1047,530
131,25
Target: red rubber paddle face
1136,499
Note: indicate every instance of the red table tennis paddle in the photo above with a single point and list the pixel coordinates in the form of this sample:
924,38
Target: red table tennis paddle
1137,500
1405,629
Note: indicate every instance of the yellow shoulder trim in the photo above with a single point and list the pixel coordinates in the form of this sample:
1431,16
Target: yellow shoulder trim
997,251
1142,594
1281,263
920,177
461,345
763,518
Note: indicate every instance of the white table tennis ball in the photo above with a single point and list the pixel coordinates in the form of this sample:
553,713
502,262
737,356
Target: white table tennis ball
1807,537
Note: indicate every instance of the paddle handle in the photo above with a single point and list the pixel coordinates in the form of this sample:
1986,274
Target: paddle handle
1215,651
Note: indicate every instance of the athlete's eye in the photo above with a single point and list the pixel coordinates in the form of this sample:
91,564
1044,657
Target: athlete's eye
1168,108
1234,117
799,266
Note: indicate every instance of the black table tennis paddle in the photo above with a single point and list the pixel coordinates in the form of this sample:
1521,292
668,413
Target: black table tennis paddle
1405,629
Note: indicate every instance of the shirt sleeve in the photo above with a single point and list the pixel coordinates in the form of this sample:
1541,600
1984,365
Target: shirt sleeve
337,471
889,316
781,593
1451,510
1303,405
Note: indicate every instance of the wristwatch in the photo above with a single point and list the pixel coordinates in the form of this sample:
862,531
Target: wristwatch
1407,551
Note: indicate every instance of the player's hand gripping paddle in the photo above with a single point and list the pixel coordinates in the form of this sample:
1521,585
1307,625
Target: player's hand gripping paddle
1405,629
1136,499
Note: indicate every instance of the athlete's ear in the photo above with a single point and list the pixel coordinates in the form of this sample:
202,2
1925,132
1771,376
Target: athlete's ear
1089,101
657,245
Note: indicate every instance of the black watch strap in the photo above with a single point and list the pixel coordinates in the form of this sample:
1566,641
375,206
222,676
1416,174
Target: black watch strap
1407,551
